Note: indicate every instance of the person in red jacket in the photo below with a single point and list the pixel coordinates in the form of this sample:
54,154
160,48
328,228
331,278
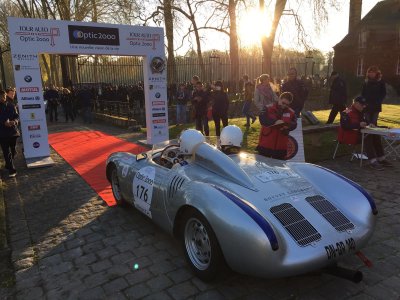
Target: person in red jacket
352,120
277,120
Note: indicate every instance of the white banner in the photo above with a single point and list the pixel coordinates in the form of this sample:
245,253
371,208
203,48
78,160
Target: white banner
30,37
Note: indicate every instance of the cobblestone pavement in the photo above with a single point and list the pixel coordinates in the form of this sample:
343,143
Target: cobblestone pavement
67,244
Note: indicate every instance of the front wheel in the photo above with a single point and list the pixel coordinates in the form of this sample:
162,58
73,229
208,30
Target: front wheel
116,188
201,247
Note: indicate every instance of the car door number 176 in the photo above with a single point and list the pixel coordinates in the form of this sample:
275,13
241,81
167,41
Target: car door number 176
141,193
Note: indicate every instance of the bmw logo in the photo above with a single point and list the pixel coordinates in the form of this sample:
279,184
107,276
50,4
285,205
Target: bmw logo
28,78
158,95
36,145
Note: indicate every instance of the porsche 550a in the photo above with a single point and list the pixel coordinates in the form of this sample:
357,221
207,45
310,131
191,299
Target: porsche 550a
259,216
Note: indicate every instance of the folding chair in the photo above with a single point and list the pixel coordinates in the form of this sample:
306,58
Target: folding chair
342,141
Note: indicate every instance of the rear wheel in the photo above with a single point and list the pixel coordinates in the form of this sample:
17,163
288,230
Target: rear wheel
116,188
200,245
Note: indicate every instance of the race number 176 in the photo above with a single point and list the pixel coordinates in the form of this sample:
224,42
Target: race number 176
141,192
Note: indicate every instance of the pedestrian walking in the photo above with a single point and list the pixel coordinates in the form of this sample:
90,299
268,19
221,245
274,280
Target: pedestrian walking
337,96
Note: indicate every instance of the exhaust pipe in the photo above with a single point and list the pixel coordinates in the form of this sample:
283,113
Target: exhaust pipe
352,275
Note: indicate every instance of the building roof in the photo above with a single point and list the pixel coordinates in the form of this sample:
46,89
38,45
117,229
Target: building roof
384,16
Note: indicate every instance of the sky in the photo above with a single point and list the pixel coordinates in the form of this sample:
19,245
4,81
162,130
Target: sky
332,33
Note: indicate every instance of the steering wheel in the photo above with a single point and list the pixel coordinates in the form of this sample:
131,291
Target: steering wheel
166,160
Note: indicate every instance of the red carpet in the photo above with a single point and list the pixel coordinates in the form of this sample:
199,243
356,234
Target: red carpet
87,152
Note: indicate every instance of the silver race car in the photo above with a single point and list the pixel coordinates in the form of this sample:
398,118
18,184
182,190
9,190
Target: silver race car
259,216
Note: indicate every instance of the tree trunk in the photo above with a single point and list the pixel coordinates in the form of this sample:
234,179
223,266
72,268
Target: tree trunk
233,46
267,43
169,30
198,43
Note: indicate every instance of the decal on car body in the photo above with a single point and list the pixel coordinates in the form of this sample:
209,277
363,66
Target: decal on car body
142,189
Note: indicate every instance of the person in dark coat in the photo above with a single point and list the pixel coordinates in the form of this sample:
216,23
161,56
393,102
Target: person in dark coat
220,106
200,100
86,101
52,97
337,96
298,90
9,120
67,101
374,91
182,98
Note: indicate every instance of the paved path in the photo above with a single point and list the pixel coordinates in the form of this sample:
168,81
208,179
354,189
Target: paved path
67,244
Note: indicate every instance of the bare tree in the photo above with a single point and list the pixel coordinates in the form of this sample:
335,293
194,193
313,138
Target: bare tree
320,13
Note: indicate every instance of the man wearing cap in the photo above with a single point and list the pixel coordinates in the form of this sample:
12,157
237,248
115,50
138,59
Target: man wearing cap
352,120
337,96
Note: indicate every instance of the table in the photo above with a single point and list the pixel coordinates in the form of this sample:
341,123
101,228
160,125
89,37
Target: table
390,136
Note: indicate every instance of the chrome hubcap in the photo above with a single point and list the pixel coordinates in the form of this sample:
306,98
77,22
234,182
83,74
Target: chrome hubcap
197,244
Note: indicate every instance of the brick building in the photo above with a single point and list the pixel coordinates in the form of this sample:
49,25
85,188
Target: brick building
373,40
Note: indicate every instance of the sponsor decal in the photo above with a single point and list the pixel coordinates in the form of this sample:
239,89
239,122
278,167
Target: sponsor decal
93,35
29,98
33,127
157,65
157,87
35,135
36,145
159,115
32,116
29,34
158,103
143,39
157,79
28,106
158,95
158,109
28,78
159,121
24,57
31,89
159,126
25,68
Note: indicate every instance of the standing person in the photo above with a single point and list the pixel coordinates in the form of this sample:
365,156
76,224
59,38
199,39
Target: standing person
85,99
352,120
248,100
220,106
337,96
9,120
277,120
11,95
67,102
200,103
263,94
374,91
52,97
298,90
182,98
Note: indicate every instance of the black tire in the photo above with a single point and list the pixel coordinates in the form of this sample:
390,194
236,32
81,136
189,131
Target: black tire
200,246
115,186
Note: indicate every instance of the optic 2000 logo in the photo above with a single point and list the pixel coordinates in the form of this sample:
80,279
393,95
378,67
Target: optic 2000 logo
30,34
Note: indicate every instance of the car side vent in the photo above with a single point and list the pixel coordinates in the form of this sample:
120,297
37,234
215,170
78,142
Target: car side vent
330,213
175,185
295,223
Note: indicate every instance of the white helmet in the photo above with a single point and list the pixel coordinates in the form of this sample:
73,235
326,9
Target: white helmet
189,139
231,135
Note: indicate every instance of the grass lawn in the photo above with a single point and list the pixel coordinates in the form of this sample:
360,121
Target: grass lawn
317,146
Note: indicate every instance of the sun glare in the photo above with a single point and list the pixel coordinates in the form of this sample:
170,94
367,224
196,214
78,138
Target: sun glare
252,26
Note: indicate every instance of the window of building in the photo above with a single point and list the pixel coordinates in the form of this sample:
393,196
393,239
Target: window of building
362,39
360,66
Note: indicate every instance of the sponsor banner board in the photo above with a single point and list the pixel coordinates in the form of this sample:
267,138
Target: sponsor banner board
30,37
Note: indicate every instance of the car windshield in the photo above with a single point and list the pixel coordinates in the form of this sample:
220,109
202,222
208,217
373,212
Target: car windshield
160,146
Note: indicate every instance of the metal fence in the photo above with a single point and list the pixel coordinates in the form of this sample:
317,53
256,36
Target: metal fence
127,70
